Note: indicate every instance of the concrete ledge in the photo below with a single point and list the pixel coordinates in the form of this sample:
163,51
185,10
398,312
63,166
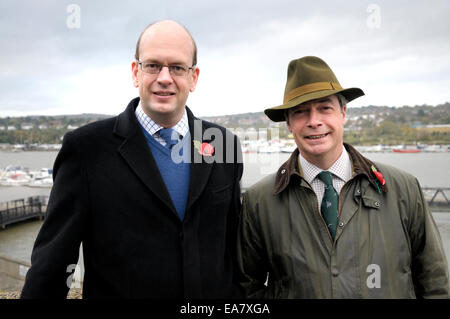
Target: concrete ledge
14,268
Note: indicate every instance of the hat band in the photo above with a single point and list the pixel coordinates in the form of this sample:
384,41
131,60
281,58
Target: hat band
308,88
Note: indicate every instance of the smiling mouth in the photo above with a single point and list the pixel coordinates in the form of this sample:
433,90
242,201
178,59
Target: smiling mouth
316,137
164,93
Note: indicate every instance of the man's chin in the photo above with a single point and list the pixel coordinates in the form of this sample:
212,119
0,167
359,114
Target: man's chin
316,150
160,108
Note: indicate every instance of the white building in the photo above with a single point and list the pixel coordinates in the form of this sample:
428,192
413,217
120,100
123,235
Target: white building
26,126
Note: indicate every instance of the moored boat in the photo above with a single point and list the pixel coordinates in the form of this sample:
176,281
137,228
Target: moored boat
406,150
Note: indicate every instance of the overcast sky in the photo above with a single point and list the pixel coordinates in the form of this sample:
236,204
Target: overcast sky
61,59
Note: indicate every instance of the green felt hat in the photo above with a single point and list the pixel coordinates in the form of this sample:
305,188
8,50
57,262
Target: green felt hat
309,78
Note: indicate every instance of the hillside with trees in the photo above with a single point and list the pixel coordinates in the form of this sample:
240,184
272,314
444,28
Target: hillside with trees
365,125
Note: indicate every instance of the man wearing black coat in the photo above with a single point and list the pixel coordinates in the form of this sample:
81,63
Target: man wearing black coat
150,228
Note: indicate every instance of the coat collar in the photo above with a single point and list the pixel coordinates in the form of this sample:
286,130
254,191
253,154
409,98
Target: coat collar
137,154
126,123
292,170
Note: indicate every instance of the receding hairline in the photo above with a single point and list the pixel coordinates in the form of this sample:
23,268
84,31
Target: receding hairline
194,45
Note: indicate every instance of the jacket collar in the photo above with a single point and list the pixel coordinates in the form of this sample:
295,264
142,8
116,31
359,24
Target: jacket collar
127,123
291,170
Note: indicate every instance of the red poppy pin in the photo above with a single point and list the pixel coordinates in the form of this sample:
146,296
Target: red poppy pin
378,175
204,149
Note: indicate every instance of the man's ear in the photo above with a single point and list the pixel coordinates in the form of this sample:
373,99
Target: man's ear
195,74
134,71
344,113
288,125
286,116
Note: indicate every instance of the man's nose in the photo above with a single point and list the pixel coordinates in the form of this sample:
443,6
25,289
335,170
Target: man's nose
314,119
164,76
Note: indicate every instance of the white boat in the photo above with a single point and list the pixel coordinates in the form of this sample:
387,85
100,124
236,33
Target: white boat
10,170
18,179
43,178
434,148
21,176
43,182
288,148
14,176
269,149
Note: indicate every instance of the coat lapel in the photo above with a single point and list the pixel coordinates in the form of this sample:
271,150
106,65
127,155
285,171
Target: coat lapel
200,169
136,153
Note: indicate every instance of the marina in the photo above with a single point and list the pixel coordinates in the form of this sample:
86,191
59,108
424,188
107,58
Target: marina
288,146
253,144
14,175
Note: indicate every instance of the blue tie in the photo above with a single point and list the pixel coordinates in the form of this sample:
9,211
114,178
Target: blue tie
170,136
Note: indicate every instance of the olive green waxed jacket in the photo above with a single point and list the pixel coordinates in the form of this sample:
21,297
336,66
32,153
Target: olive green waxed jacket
386,245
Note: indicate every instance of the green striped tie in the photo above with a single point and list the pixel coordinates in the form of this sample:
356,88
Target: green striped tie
329,206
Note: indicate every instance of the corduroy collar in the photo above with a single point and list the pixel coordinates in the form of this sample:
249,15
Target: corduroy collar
361,165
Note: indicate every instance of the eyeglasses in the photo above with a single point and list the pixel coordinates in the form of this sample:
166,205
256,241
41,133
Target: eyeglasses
155,68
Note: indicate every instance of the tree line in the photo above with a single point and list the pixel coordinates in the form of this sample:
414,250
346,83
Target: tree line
365,125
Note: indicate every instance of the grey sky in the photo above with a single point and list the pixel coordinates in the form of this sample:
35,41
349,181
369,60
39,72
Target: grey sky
402,58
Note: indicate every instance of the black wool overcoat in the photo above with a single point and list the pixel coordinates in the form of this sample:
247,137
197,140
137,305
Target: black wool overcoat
109,195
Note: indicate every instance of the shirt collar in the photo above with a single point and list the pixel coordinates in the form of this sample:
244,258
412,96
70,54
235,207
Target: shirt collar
291,169
342,168
182,127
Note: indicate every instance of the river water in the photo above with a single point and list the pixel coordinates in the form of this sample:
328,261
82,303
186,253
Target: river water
431,169
16,241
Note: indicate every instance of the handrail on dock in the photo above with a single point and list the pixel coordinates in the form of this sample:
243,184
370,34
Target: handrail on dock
438,190
22,209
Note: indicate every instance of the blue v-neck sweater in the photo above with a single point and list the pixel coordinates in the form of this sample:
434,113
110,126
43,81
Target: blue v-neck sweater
176,175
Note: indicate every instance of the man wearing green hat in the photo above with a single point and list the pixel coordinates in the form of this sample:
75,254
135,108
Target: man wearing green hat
330,223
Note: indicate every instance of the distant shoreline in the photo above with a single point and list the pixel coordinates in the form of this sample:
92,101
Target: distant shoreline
257,146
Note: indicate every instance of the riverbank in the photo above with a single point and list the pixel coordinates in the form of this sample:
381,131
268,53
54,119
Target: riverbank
12,277
75,293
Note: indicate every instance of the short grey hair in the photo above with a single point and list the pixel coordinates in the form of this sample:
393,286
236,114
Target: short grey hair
342,100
